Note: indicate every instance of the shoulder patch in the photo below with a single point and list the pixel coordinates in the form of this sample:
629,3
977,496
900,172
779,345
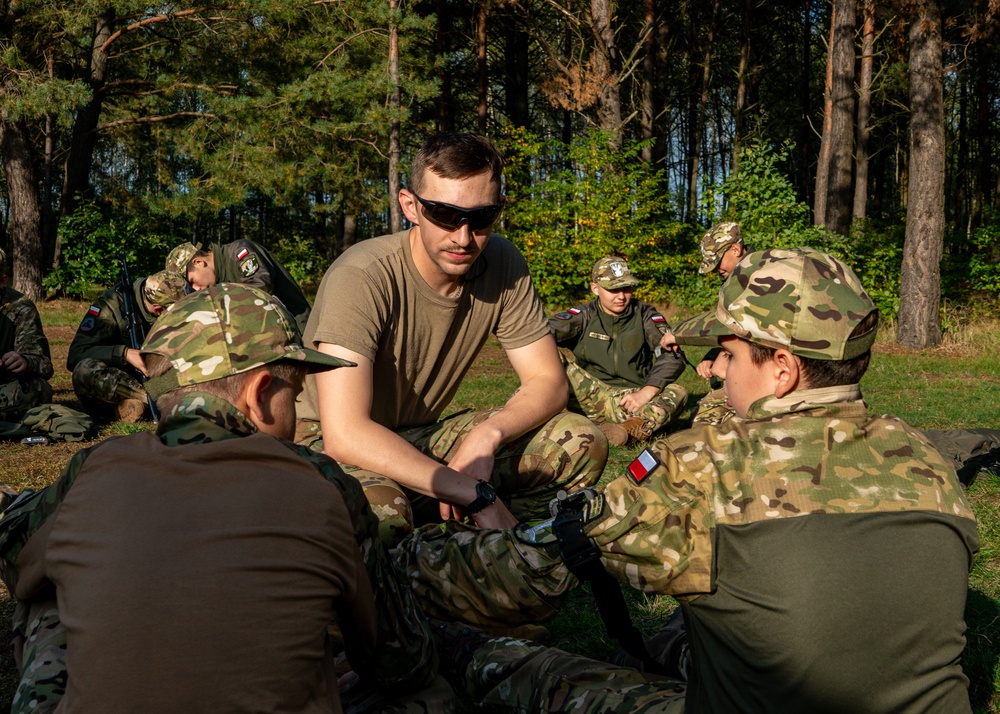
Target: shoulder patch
644,463
574,311
657,317
243,254
562,316
90,319
249,266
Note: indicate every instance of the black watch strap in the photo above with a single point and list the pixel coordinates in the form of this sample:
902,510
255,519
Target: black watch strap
485,497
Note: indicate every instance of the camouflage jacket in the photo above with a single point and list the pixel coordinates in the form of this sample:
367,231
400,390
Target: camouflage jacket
404,656
620,350
811,452
103,331
21,332
244,261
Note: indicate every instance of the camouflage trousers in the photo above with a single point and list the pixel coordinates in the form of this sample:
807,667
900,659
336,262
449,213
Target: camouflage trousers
40,653
566,453
19,395
601,403
510,675
96,382
712,409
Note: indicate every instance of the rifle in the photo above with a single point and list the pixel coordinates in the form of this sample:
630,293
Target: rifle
135,329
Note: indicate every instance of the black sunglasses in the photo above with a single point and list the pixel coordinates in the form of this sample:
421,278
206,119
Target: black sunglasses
451,217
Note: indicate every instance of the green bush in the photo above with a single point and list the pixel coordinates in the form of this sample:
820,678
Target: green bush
90,247
301,257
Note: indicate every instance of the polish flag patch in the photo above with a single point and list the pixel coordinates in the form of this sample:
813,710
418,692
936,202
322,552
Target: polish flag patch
659,318
643,465
94,310
574,311
243,254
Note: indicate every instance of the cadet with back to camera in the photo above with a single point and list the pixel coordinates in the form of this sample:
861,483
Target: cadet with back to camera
25,364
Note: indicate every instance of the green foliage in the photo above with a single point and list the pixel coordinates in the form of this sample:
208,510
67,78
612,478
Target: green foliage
984,259
301,257
90,246
876,255
570,205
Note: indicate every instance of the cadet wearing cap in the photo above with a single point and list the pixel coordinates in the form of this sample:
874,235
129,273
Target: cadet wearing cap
25,365
620,378
107,373
215,539
241,261
820,554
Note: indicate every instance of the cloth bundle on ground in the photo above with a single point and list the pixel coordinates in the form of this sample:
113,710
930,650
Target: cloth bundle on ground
56,421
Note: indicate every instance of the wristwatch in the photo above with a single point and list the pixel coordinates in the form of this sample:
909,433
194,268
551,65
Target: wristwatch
485,496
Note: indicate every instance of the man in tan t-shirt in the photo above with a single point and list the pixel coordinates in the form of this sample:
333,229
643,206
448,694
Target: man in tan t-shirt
413,310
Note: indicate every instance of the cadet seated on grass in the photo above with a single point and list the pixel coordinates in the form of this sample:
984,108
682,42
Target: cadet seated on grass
241,261
198,568
107,372
820,554
25,364
621,379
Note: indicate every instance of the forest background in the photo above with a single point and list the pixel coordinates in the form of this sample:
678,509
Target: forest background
865,128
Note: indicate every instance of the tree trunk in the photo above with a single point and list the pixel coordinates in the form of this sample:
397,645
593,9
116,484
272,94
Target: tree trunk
482,69
823,161
697,128
76,182
25,216
920,286
606,66
984,140
395,211
805,99
837,217
648,115
516,81
864,111
741,86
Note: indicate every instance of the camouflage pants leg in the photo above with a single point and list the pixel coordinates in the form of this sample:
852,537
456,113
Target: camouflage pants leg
566,453
485,578
601,403
40,637
712,409
19,395
95,381
509,675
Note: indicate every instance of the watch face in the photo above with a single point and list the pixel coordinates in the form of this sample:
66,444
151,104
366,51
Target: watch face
486,492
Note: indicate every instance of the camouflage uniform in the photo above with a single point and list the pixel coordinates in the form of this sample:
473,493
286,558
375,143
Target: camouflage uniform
794,538
716,242
21,332
101,374
226,330
249,263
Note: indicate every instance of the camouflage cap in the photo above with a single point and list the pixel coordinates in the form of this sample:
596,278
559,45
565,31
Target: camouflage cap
223,330
799,299
716,242
612,273
178,259
164,289
3,262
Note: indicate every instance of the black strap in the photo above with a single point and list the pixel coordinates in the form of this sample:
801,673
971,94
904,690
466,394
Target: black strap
583,558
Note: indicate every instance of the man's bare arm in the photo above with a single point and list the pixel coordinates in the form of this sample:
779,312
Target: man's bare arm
542,394
350,436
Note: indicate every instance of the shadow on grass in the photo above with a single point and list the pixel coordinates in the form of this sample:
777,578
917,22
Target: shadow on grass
982,617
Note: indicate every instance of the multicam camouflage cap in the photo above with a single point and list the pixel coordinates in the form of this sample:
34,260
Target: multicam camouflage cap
716,242
224,330
612,273
164,289
179,257
799,299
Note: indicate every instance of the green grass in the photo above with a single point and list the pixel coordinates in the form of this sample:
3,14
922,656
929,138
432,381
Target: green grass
957,386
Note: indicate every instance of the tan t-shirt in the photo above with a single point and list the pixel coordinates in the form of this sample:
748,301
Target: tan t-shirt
373,301
201,578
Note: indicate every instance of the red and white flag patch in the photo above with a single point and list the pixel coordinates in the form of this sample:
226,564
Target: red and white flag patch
643,465
574,311
94,310
659,318
243,254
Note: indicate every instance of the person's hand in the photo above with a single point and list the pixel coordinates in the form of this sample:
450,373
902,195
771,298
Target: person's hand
704,368
496,516
669,342
15,362
135,359
634,401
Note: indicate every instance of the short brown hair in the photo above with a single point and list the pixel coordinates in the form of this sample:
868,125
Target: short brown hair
820,373
456,156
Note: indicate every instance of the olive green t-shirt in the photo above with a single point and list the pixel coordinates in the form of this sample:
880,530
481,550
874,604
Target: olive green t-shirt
373,301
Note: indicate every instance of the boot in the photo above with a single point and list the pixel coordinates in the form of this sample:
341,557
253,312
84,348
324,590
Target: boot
616,433
130,411
668,648
637,428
